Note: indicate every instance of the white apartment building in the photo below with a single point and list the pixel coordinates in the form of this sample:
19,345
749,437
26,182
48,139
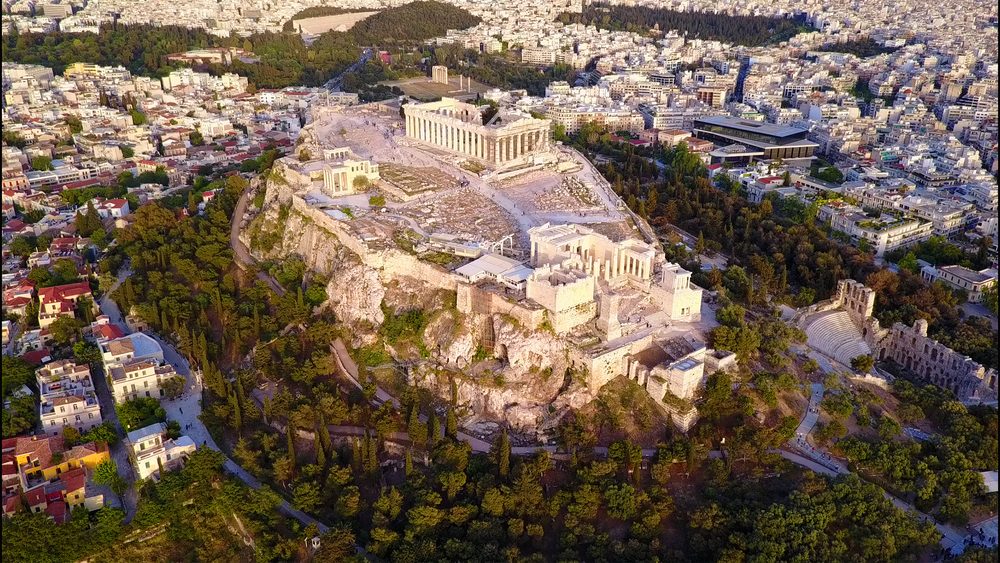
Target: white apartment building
882,234
614,118
960,277
143,378
150,450
131,348
66,398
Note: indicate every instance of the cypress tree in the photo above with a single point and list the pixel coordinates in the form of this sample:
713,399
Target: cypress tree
290,434
451,423
433,429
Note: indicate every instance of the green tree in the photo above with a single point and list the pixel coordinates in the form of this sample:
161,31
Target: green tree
65,330
862,364
106,473
500,453
41,162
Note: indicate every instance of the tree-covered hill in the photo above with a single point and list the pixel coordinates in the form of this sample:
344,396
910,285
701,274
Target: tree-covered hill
411,23
741,30
284,59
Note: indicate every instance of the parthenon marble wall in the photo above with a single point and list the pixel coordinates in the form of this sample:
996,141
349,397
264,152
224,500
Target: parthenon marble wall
456,126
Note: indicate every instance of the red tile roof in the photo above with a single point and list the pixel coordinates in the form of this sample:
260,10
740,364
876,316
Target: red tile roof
40,448
74,479
36,357
109,331
35,496
63,292
58,511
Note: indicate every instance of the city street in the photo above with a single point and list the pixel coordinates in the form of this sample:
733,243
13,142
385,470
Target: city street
185,410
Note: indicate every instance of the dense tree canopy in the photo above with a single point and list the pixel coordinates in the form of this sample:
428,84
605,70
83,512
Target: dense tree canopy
740,30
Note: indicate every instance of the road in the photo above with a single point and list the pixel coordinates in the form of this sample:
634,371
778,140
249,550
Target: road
185,410
336,82
240,251
806,455
119,451
812,411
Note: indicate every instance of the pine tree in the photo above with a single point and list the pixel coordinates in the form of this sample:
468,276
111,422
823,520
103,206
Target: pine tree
356,454
234,404
320,453
371,454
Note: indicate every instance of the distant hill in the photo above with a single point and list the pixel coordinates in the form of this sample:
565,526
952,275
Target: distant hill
318,12
413,22
740,30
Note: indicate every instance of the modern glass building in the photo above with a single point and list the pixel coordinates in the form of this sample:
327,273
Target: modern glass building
741,140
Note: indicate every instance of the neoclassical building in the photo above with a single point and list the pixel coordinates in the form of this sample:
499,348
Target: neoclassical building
449,124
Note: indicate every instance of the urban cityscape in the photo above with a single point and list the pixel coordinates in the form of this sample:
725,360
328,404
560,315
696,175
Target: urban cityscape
459,280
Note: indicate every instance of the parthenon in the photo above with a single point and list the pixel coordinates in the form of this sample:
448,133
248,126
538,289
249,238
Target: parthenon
456,126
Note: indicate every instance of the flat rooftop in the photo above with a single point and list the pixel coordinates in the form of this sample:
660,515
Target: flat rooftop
750,126
968,275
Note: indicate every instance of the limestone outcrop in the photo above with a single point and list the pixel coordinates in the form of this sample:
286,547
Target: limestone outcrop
502,370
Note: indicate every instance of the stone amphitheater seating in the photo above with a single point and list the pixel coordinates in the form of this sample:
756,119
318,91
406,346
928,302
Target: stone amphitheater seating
834,334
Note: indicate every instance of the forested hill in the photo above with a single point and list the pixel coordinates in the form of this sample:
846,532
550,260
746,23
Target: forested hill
740,30
285,59
413,22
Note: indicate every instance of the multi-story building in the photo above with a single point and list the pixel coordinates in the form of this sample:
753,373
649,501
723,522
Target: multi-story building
761,141
142,378
40,474
134,347
959,277
880,235
151,451
60,301
66,397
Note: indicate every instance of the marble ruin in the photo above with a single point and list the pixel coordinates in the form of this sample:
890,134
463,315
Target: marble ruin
581,275
510,137
843,327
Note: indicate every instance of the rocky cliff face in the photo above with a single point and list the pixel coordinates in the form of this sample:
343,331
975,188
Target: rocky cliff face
502,370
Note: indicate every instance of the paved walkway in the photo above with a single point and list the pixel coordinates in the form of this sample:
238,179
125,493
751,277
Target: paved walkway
822,462
240,252
185,410
812,411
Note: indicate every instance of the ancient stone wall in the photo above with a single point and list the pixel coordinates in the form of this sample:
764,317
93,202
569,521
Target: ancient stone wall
936,363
